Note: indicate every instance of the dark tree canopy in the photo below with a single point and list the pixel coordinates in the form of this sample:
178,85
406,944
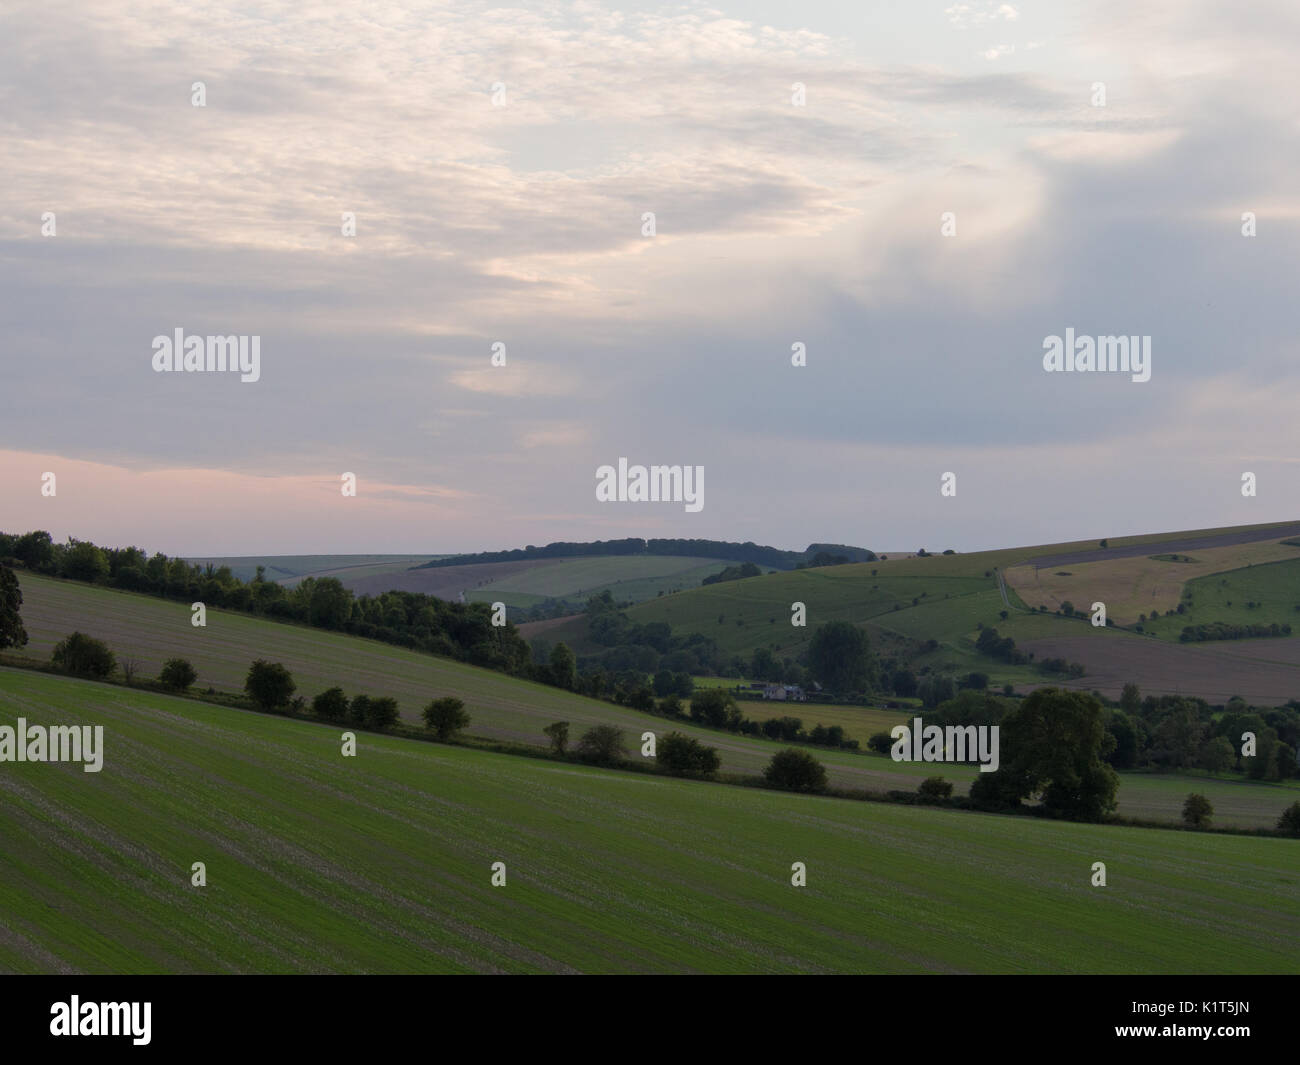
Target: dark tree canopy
12,633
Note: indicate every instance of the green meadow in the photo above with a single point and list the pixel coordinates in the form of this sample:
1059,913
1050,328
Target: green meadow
383,863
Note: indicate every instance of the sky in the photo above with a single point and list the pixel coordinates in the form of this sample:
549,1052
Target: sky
918,194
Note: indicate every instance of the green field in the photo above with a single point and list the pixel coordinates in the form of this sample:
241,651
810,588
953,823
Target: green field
1273,586
382,863
501,707
628,578
290,569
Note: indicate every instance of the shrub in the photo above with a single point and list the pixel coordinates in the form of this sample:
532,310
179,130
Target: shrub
84,655
935,788
685,756
880,742
178,674
558,733
331,704
602,744
269,684
795,770
1197,811
382,713
1289,823
446,716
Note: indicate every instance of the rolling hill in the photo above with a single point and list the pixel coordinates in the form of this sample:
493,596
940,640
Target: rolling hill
905,601
152,630
383,863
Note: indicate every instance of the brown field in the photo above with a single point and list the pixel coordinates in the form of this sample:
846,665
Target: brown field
1134,585
529,629
1260,671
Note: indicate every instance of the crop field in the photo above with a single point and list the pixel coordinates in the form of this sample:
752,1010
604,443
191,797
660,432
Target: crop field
1133,586
383,863
501,707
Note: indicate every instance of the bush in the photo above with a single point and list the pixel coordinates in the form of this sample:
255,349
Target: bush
1289,823
178,674
269,684
685,756
358,709
935,788
602,744
84,655
382,713
331,704
558,733
881,742
445,716
1197,811
795,770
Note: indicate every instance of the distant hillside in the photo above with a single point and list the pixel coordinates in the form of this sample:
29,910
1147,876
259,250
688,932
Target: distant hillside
924,614
772,557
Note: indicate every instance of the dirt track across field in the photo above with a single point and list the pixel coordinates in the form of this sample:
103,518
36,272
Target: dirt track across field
1168,547
1264,672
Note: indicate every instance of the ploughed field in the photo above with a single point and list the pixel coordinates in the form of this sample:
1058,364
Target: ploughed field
383,863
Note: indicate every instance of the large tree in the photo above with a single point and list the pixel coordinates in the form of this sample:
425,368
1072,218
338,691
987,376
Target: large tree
1052,746
12,633
840,657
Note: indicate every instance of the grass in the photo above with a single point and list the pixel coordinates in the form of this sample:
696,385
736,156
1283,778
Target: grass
1274,587
501,707
382,863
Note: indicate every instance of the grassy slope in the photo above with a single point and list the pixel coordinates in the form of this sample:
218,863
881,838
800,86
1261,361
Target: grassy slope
382,863
290,569
1275,586
502,707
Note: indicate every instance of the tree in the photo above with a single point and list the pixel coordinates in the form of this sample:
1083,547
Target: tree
329,603
1197,811
686,756
382,713
84,655
710,706
564,666
795,770
12,633
1289,823
358,708
1130,699
1052,746
880,742
269,685
178,674
330,704
84,561
445,717
35,550
840,657
935,788
558,733
602,744
1217,754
